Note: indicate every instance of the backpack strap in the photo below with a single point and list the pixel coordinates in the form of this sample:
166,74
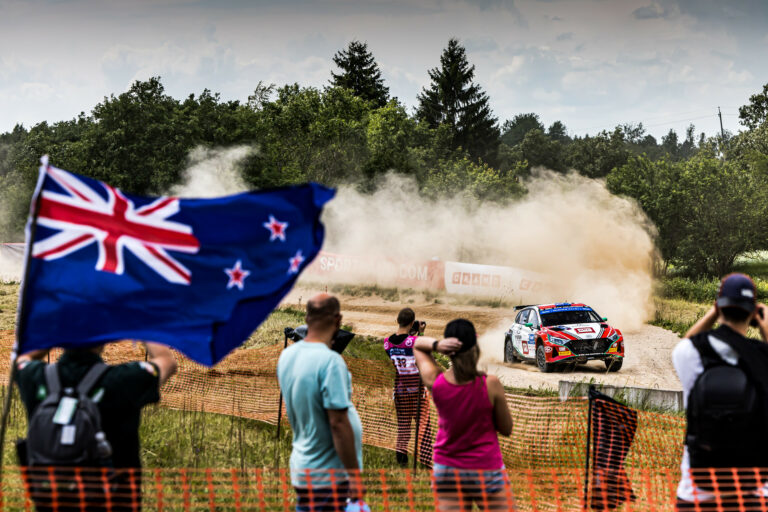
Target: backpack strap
93,375
52,381
709,357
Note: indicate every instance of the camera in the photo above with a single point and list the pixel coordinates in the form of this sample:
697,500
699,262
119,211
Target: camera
417,327
340,340
753,322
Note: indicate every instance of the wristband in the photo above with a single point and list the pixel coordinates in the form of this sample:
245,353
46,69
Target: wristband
434,345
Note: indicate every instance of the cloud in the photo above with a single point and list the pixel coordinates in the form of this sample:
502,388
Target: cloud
565,36
510,70
481,44
650,12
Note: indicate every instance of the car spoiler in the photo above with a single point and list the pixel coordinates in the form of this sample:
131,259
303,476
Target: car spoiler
523,307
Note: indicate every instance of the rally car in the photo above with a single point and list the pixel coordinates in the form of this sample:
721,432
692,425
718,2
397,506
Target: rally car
566,333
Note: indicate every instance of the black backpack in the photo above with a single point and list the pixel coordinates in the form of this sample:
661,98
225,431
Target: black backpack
79,442
726,418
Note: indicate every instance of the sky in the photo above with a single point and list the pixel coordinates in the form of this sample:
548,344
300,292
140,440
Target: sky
592,64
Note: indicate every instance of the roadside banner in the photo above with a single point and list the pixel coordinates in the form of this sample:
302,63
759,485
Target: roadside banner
475,279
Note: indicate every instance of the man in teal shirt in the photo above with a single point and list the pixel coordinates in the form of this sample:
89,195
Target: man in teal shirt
327,433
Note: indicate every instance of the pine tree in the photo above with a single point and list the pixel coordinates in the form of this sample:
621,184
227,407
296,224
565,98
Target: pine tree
455,100
360,73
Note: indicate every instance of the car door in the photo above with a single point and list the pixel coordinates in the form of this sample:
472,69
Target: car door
521,334
530,339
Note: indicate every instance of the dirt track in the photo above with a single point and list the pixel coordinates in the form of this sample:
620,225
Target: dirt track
648,362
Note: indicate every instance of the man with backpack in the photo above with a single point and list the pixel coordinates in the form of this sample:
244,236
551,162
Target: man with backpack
724,376
83,419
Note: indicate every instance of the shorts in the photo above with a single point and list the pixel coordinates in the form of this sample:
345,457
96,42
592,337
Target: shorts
472,483
325,499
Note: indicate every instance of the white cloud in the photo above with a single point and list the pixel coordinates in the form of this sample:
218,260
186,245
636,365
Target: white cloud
510,71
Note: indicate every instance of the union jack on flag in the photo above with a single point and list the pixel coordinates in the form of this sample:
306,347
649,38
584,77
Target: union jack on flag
198,275
83,217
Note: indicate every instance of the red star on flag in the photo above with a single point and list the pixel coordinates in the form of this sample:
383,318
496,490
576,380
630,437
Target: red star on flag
237,275
295,263
276,228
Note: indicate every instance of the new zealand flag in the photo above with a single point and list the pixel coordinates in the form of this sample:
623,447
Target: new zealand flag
198,275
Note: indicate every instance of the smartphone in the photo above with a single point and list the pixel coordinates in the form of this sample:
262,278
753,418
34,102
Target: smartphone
753,323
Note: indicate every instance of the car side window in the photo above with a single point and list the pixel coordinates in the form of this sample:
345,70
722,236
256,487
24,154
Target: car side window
534,318
523,317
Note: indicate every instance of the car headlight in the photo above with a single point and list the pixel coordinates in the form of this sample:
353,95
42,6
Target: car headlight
614,337
559,341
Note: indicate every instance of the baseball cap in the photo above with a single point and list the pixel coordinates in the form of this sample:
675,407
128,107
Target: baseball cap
464,330
737,291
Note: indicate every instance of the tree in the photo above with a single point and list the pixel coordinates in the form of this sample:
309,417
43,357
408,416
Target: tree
360,73
453,99
557,132
595,156
756,113
140,139
541,151
514,130
707,211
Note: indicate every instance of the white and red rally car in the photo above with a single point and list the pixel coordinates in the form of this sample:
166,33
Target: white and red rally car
556,335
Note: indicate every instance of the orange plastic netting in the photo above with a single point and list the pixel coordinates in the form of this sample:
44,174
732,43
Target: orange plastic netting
544,456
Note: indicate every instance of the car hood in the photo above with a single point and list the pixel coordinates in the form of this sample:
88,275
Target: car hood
580,331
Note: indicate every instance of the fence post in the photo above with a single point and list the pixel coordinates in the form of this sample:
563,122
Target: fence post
279,414
586,463
416,446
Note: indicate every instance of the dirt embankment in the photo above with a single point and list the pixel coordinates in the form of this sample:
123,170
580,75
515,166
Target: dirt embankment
647,364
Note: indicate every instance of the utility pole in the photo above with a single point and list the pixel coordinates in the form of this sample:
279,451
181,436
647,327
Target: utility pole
722,132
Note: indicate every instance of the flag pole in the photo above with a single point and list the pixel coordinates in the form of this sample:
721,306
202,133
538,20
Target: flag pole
589,438
20,316
279,414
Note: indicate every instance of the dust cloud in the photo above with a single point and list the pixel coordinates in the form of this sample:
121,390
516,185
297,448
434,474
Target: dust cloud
587,244
213,172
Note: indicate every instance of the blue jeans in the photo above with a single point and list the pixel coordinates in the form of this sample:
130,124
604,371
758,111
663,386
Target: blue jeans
322,499
472,485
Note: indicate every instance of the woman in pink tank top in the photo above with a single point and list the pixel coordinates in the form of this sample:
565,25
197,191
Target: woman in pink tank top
472,411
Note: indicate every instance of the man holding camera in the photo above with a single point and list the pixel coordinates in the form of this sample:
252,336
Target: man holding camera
408,390
327,450
724,376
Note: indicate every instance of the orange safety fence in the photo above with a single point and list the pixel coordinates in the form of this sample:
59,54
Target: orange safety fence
547,432
185,489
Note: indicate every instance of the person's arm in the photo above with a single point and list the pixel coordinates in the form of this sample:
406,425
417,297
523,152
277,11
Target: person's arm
344,443
162,357
502,418
762,321
35,355
704,323
428,368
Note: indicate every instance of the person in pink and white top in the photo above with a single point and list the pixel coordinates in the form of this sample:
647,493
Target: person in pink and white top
472,411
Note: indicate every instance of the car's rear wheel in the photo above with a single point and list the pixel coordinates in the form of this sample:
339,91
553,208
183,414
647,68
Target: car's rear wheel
613,365
509,351
541,360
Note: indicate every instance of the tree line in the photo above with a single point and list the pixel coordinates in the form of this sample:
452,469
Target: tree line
706,195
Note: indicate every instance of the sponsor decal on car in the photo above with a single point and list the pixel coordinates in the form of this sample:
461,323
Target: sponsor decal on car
531,338
547,349
582,330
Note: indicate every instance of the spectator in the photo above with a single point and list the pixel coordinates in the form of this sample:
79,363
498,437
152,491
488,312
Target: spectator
724,376
120,392
407,391
472,408
327,433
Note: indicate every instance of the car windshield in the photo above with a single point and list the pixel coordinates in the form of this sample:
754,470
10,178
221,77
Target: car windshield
569,317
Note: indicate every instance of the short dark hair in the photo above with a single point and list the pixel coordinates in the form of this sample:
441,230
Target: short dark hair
322,311
406,317
733,314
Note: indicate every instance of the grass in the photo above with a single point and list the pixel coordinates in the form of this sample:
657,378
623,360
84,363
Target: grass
9,294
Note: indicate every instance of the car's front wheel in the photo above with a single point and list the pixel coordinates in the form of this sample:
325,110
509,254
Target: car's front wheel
613,365
541,360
